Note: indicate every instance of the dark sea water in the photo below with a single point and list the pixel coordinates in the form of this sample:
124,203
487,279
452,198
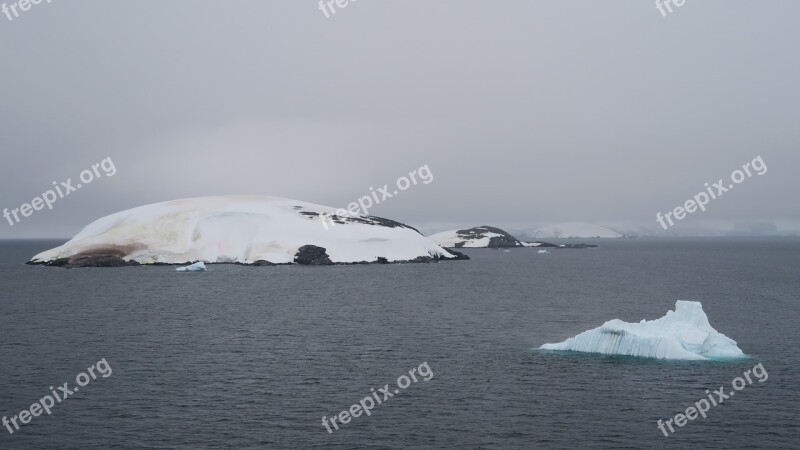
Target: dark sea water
253,357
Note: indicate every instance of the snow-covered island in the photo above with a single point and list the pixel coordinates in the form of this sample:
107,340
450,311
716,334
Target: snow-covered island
480,237
489,237
256,230
683,334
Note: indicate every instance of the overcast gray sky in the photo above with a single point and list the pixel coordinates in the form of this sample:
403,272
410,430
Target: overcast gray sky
527,112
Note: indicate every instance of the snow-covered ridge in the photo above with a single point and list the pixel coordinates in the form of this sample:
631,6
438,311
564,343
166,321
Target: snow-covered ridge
480,237
240,229
683,334
477,237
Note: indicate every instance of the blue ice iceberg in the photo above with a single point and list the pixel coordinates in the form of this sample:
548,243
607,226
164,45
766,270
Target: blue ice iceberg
683,334
196,267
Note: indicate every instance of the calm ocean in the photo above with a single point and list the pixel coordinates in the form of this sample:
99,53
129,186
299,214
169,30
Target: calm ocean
253,357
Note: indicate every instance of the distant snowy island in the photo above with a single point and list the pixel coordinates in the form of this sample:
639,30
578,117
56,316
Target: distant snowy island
489,237
575,230
256,230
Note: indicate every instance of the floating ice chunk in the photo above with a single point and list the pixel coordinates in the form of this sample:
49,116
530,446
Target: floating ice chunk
683,334
196,267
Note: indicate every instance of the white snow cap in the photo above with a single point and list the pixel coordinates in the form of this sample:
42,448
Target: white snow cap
243,229
683,334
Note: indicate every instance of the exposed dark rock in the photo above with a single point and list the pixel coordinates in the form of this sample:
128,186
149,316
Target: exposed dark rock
543,244
262,262
374,220
422,259
458,255
367,220
577,246
109,256
311,255
437,258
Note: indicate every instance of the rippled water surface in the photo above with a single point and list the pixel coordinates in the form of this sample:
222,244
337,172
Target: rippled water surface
253,357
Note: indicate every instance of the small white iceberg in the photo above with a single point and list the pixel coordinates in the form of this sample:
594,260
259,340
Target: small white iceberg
196,267
683,334
544,250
